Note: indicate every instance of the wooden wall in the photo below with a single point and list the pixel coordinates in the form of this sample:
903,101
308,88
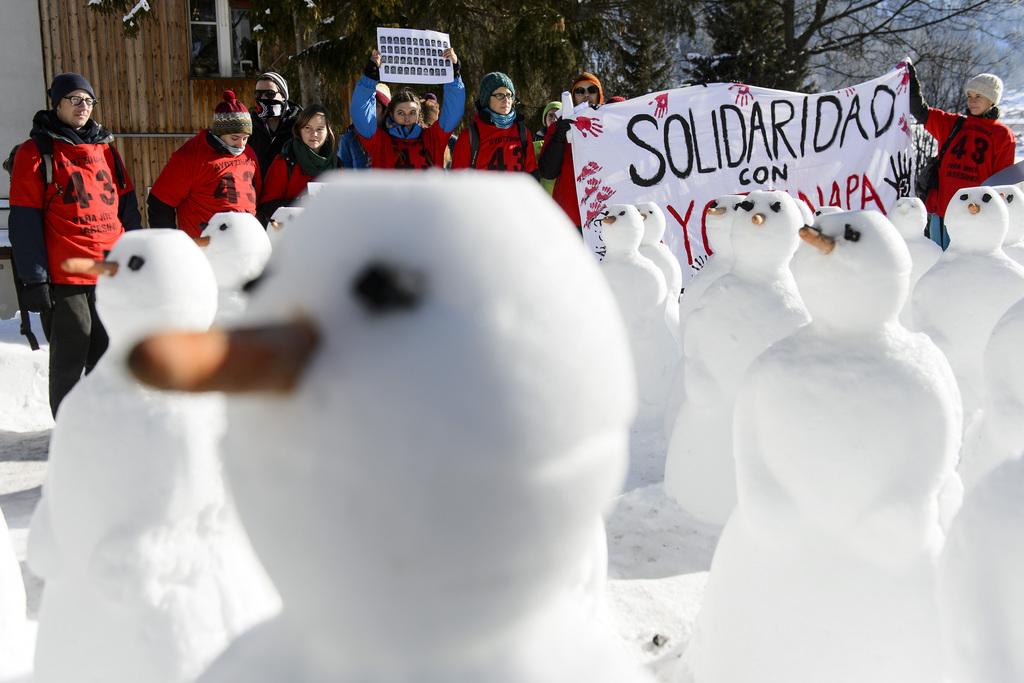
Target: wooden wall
143,83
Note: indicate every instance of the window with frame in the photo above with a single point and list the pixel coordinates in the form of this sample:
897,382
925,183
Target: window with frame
221,40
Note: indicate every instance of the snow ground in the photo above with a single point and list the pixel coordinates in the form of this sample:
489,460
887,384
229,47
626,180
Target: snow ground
658,555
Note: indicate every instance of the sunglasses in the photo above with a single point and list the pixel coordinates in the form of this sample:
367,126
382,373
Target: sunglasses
591,90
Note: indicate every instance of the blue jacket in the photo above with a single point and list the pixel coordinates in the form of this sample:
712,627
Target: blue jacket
350,151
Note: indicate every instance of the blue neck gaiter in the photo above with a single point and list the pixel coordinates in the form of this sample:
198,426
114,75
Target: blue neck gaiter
502,120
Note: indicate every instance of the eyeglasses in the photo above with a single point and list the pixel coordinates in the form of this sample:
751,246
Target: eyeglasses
76,100
267,94
591,90
502,96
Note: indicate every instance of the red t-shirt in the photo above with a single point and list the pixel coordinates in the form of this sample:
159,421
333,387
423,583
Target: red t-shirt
79,207
500,149
564,192
199,181
981,148
278,186
426,151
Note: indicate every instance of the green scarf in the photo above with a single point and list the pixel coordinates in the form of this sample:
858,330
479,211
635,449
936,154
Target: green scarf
312,164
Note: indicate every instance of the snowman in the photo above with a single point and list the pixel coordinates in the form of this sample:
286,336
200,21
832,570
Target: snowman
718,222
1013,243
15,637
451,422
720,214
653,248
980,592
639,287
741,314
910,218
960,299
825,211
998,434
148,574
238,249
280,221
847,434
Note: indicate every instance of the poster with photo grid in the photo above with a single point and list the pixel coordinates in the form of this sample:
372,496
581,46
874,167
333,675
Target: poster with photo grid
410,55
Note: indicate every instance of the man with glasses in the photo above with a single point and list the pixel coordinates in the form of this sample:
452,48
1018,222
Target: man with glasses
273,118
70,198
555,161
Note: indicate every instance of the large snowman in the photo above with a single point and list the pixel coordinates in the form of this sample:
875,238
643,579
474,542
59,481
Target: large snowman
847,433
453,417
148,573
742,313
961,298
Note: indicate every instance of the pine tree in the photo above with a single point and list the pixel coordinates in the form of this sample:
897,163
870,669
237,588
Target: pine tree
748,46
645,64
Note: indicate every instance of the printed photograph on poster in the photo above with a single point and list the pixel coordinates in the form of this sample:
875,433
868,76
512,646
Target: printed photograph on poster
413,56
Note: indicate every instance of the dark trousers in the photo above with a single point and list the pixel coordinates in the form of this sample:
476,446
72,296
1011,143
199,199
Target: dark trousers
77,338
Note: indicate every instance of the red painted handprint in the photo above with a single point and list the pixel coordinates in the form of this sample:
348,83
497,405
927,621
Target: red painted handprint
743,94
904,125
585,124
605,194
593,212
660,103
592,185
904,78
591,168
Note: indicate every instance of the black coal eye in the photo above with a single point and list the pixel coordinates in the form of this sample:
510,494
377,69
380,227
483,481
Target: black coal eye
963,197
622,213
775,206
136,262
222,227
986,197
384,288
1009,199
746,205
850,234
714,204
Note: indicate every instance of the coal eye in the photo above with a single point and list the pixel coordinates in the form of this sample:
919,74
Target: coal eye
223,227
714,204
383,288
775,206
622,213
963,197
1009,199
986,197
136,262
746,205
850,234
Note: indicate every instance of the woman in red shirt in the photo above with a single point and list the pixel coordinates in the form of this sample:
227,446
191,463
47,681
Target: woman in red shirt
402,142
214,171
310,152
977,144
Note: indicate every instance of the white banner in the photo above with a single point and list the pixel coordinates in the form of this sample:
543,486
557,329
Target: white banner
410,55
682,148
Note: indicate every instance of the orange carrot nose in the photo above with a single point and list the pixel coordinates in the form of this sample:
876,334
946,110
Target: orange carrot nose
818,240
757,219
82,266
973,208
203,241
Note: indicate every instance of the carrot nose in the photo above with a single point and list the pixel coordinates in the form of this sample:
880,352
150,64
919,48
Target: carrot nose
80,266
818,240
973,209
757,219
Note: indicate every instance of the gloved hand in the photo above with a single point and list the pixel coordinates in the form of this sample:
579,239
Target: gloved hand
372,70
562,127
36,297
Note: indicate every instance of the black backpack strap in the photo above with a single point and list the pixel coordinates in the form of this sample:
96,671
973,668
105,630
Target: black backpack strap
952,134
474,143
44,143
522,137
119,173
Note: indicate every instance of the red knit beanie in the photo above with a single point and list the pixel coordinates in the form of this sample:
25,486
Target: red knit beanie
231,117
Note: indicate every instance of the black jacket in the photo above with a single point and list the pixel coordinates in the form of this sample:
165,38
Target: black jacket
267,144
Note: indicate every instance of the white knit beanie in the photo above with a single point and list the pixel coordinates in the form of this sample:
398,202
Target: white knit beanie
986,85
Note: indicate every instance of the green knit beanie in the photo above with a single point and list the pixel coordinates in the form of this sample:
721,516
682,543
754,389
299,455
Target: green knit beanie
490,83
549,107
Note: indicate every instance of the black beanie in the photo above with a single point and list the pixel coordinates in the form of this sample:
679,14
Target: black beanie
68,83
